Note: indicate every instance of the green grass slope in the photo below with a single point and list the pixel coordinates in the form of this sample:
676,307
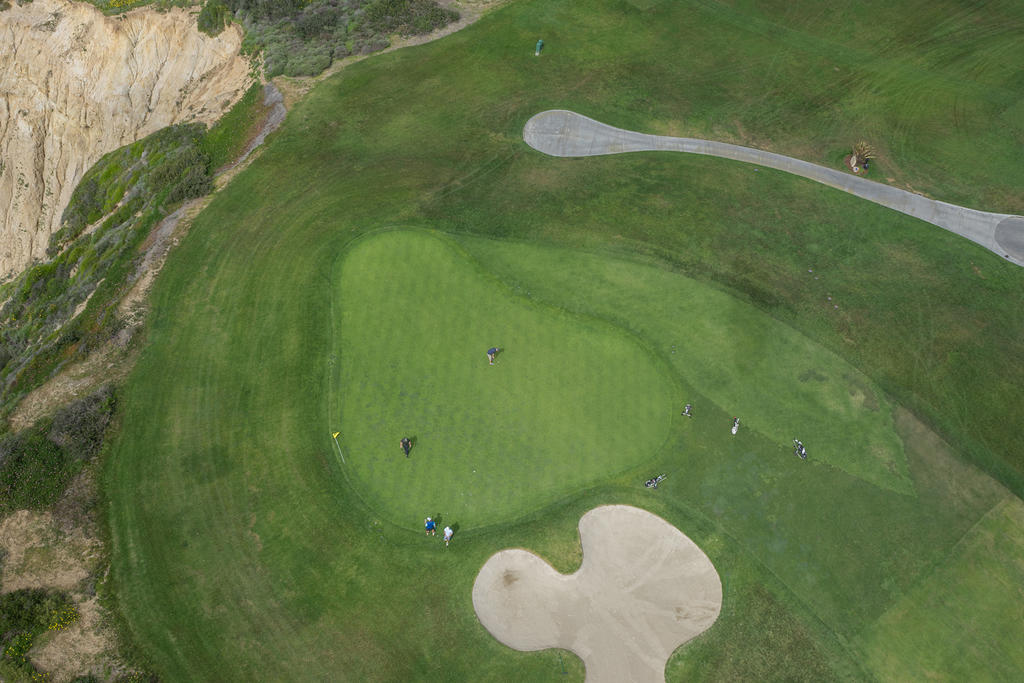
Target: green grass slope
782,384
241,551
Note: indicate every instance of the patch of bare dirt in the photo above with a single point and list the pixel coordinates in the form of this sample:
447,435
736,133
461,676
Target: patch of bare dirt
42,552
37,554
85,646
108,364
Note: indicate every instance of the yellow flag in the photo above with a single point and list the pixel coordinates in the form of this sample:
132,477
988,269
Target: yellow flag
336,434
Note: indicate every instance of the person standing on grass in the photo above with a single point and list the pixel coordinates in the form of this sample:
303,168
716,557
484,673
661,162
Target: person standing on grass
492,354
448,533
406,444
431,526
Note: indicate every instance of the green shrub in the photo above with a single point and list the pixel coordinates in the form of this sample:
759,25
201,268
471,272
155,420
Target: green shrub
184,170
37,464
17,649
309,63
38,333
226,139
407,17
34,471
84,208
267,10
30,610
303,39
25,614
79,427
318,21
213,17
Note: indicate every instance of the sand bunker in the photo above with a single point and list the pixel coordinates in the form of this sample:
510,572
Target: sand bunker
643,590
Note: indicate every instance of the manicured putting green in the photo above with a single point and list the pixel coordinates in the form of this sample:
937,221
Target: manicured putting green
569,401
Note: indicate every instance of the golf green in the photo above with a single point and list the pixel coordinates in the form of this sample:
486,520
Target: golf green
733,356
243,548
568,401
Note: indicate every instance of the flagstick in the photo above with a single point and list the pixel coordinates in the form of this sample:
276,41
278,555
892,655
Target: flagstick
335,435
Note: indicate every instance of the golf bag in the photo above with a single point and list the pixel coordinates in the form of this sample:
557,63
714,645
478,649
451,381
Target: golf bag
653,483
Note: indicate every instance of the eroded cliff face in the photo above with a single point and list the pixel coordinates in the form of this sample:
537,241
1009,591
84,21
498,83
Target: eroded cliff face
75,84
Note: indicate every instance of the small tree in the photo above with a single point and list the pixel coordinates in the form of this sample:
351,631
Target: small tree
862,151
213,17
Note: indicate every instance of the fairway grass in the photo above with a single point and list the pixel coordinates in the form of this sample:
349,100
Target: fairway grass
569,401
244,549
933,630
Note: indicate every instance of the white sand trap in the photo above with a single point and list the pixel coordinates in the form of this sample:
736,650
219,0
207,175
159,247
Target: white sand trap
643,590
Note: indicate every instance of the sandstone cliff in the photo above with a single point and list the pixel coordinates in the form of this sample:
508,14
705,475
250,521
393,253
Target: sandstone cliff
75,84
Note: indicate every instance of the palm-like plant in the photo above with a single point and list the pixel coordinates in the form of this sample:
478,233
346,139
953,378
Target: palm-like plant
862,151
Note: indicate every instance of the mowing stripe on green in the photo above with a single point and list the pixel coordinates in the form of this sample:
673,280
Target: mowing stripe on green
569,401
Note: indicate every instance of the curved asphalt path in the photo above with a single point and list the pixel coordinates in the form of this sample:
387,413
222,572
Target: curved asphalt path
564,133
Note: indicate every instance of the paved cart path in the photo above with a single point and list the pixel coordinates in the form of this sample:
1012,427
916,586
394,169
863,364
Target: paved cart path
567,134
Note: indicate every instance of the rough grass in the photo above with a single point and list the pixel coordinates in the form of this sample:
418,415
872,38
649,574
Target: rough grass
933,631
227,139
241,551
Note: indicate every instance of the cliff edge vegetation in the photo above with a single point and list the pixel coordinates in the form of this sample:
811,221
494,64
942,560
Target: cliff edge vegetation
77,84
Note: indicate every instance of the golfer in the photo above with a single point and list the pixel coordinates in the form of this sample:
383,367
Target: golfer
447,535
491,353
431,526
406,444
